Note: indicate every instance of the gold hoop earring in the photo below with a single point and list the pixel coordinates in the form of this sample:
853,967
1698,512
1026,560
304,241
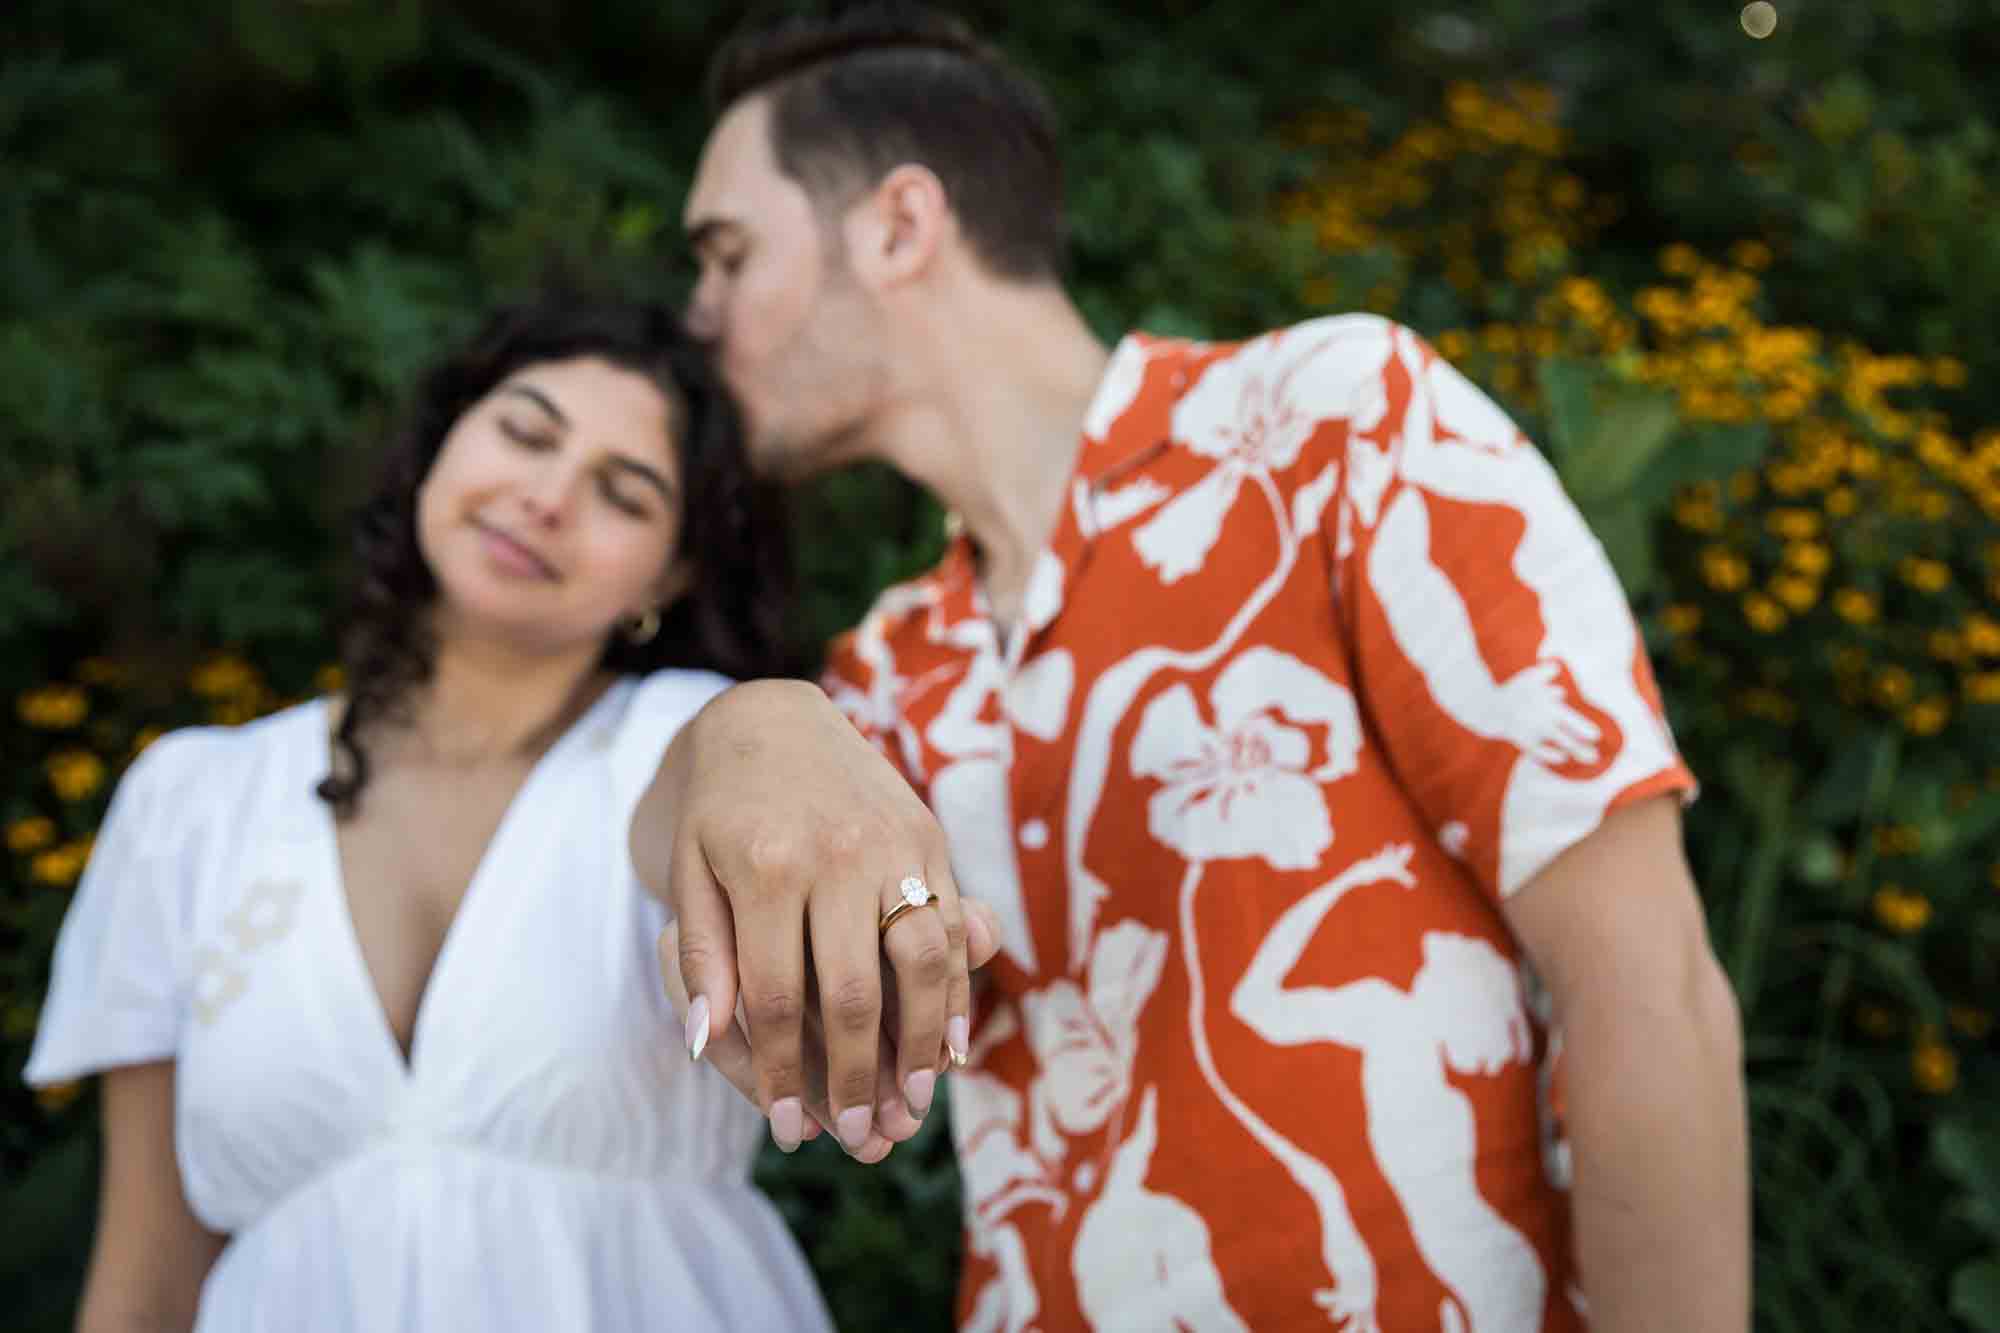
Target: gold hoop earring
643,627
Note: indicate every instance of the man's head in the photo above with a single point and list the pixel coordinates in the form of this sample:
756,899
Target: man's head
853,160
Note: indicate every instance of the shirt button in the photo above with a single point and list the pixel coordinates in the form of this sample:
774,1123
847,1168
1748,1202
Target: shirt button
1034,835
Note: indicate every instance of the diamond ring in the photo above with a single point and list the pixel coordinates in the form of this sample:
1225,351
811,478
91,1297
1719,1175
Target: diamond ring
914,894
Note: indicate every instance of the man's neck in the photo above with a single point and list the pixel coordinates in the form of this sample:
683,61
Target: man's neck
994,420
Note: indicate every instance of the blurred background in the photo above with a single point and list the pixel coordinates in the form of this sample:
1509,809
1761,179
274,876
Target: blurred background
1739,287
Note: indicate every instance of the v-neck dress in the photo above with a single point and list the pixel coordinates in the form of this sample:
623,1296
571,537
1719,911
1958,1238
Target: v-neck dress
547,1157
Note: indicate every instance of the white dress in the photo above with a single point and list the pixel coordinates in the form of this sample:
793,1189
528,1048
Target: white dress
548,1159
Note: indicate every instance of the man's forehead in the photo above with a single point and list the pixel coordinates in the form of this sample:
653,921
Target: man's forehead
734,163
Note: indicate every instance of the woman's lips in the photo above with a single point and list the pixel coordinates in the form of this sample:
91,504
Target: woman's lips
514,558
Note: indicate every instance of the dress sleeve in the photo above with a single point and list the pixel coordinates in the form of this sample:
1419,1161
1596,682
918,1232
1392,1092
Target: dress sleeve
661,704
1498,662
118,992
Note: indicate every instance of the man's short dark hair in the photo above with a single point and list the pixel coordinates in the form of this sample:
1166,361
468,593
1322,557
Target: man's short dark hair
859,93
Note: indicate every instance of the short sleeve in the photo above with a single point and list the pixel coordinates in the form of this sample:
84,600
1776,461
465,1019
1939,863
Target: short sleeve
660,705
1497,659
118,988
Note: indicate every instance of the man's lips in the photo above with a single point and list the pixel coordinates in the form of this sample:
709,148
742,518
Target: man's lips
514,555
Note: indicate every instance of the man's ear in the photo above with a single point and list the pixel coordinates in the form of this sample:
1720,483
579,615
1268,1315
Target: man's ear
895,231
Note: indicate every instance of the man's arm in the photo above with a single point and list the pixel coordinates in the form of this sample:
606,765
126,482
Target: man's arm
1653,1072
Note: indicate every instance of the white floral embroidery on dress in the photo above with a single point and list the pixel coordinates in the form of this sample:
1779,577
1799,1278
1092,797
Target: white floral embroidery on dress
218,980
266,915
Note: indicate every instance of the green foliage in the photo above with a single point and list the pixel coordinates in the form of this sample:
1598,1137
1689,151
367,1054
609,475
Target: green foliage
231,233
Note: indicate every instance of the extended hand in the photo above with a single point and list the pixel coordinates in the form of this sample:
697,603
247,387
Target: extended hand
780,837
895,1122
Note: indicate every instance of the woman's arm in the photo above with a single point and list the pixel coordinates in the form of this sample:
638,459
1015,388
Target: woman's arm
150,1254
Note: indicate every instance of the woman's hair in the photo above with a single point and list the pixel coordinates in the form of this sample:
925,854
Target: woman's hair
734,618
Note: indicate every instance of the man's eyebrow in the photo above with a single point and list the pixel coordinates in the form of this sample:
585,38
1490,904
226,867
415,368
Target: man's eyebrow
706,230
540,399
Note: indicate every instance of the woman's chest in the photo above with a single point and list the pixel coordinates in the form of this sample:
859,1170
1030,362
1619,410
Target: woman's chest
539,1017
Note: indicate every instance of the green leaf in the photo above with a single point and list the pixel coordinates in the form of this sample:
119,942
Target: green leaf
1972,1158
1975,1295
1607,431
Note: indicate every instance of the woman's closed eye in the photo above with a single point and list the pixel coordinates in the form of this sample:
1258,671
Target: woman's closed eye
612,490
527,437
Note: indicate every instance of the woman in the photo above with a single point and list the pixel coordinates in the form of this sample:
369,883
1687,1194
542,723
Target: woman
371,980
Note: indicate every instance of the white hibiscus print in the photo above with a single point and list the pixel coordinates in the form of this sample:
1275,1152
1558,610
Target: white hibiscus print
1244,787
1252,414
1085,1042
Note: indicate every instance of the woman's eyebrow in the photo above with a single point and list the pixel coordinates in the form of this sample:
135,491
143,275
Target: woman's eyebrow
540,399
647,472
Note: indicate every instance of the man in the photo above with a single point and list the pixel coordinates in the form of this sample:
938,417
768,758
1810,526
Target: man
1284,712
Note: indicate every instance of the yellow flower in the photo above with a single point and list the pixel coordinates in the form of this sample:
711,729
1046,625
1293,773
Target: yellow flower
1809,558
1501,339
1793,524
75,774
1768,703
1841,501
1765,616
1933,506
1698,514
103,671
1926,717
1795,593
1900,911
1898,840
1982,636
1876,1020
1934,1066
60,866
1948,372
1452,345
1925,575
53,707
30,834
1983,687
1753,255
1681,618
1893,685
146,736
221,677
1973,1022
1855,606
57,1096
1723,569
1680,260
1945,646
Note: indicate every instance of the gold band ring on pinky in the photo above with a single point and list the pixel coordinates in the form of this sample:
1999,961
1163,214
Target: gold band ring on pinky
915,893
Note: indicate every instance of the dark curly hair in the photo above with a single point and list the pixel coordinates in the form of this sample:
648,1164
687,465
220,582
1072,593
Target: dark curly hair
735,616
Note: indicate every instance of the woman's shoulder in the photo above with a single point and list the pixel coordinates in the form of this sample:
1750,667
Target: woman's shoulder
209,758
672,689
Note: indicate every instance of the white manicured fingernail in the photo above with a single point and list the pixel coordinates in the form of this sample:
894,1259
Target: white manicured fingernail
697,1027
958,1038
918,1090
787,1123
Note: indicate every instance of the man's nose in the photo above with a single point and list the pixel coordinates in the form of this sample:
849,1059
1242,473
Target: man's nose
704,319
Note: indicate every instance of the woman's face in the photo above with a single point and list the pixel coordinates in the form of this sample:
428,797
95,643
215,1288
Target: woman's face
553,509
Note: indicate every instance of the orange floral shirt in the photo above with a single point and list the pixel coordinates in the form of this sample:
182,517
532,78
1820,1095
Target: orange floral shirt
1318,667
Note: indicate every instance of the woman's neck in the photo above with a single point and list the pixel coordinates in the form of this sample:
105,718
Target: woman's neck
488,701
